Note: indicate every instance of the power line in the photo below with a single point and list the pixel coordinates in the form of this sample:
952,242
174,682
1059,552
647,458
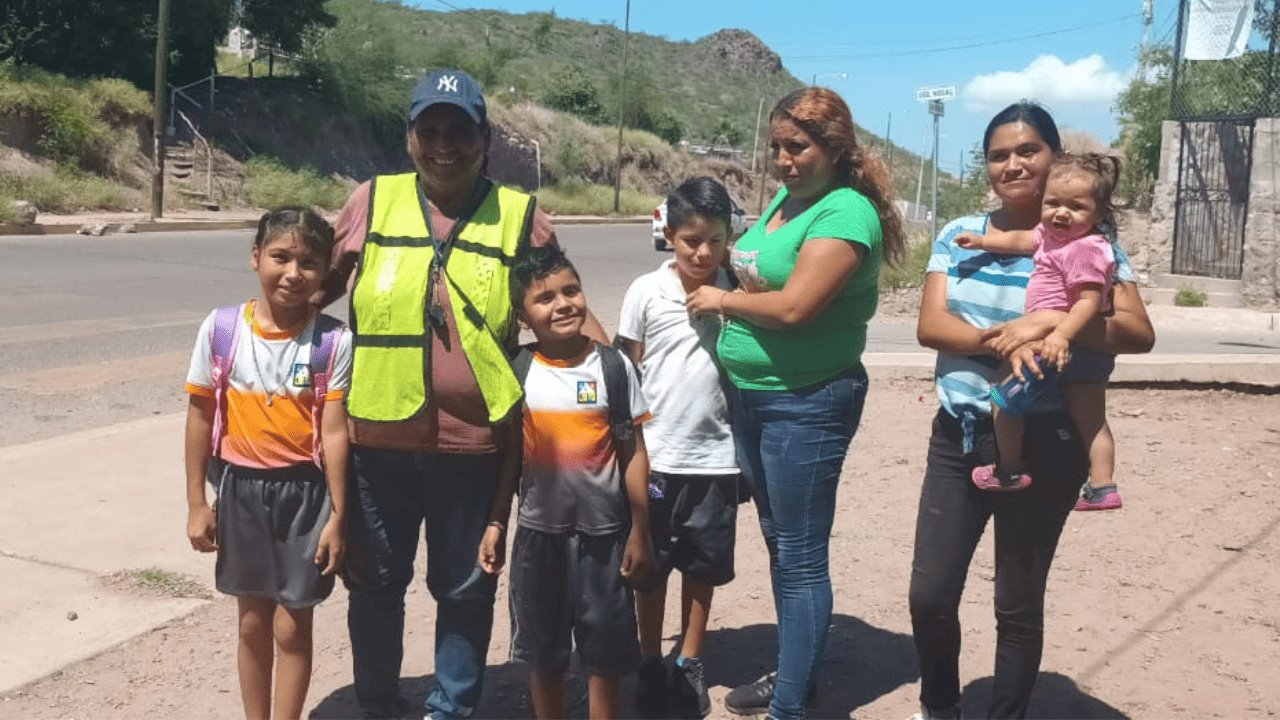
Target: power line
967,46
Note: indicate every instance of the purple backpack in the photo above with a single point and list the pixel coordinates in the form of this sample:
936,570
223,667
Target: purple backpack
223,338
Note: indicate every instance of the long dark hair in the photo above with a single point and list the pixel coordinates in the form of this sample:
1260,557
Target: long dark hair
1031,113
825,117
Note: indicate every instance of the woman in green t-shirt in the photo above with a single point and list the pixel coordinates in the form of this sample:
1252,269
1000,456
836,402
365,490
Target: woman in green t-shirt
792,345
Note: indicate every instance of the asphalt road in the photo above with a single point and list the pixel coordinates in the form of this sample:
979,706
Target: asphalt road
95,331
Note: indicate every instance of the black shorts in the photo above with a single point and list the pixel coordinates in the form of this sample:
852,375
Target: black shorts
269,524
569,586
1088,366
693,520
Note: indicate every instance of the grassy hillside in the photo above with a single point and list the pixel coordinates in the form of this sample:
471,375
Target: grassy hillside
518,56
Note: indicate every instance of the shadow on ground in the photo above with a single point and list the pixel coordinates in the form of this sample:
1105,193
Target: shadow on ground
862,664
1056,697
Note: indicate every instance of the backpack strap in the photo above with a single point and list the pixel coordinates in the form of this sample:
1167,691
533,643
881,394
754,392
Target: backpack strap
521,363
324,345
618,389
223,337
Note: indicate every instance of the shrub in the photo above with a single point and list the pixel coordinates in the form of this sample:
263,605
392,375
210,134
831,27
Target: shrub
910,274
1190,296
271,184
77,121
67,190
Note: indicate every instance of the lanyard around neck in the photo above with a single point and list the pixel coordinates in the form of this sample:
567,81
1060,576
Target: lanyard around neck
444,246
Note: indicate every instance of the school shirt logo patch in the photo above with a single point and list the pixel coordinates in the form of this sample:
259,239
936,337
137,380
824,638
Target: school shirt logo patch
301,375
587,392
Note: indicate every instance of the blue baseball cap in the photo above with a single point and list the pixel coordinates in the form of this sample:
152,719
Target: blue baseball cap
452,87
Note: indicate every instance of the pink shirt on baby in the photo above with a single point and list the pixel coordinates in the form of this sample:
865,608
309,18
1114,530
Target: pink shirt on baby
1063,267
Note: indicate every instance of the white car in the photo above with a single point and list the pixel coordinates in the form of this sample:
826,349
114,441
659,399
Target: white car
737,225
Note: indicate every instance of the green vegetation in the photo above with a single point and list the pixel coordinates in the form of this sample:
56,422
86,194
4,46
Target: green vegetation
76,122
1190,296
377,49
910,274
66,191
160,582
271,184
116,39
1222,88
578,197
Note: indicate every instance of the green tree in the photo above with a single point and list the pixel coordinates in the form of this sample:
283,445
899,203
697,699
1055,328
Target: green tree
112,38
727,132
541,35
282,24
572,91
668,127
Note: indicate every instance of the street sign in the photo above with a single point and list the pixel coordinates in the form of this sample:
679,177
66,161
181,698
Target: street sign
935,108
936,92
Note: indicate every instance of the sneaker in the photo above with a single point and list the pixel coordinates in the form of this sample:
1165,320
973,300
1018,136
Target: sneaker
986,477
689,698
651,688
1106,497
754,698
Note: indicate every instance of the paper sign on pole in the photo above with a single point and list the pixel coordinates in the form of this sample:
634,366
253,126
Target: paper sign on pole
1218,29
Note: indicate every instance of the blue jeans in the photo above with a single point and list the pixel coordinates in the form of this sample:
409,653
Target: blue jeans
393,493
791,446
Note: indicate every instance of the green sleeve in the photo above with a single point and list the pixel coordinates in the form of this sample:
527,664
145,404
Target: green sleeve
847,216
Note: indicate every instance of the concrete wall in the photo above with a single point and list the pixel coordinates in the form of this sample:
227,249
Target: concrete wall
1260,282
1260,278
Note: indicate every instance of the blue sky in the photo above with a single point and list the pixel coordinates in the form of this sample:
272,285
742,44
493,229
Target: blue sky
1074,57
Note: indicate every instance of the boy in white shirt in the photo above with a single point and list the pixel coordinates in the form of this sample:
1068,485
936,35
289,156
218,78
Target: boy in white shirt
694,478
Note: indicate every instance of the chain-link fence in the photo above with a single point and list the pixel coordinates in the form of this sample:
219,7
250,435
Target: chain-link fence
1242,87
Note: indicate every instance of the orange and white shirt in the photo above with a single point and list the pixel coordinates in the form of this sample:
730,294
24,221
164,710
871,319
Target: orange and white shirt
572,481
269,399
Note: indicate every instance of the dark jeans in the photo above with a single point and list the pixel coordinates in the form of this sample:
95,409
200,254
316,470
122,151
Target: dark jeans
953,514
393,493
791,446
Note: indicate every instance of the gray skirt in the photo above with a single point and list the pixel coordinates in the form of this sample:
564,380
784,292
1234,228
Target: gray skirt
269,524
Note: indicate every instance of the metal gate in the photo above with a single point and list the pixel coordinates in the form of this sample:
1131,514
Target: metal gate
1215,161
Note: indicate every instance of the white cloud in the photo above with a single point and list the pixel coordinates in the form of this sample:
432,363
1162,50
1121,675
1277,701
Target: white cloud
1049,80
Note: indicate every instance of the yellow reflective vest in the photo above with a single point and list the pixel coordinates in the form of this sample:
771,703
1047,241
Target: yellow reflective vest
390,303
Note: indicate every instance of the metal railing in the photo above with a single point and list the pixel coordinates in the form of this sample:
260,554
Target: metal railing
208,149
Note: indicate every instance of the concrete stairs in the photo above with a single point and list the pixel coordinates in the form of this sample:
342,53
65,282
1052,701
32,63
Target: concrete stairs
180,173
1218,291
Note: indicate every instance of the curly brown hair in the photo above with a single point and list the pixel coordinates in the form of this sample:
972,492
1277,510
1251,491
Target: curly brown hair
825,117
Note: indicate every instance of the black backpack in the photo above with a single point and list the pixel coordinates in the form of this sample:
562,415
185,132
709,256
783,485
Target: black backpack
616,387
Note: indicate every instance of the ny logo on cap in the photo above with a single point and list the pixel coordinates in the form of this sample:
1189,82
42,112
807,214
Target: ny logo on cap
448,83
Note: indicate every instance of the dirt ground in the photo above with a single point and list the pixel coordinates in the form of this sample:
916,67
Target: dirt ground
1163,609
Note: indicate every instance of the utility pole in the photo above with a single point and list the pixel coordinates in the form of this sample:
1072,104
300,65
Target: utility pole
961,168
920,179
622,105
157,112
935,109
755,143
888,144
